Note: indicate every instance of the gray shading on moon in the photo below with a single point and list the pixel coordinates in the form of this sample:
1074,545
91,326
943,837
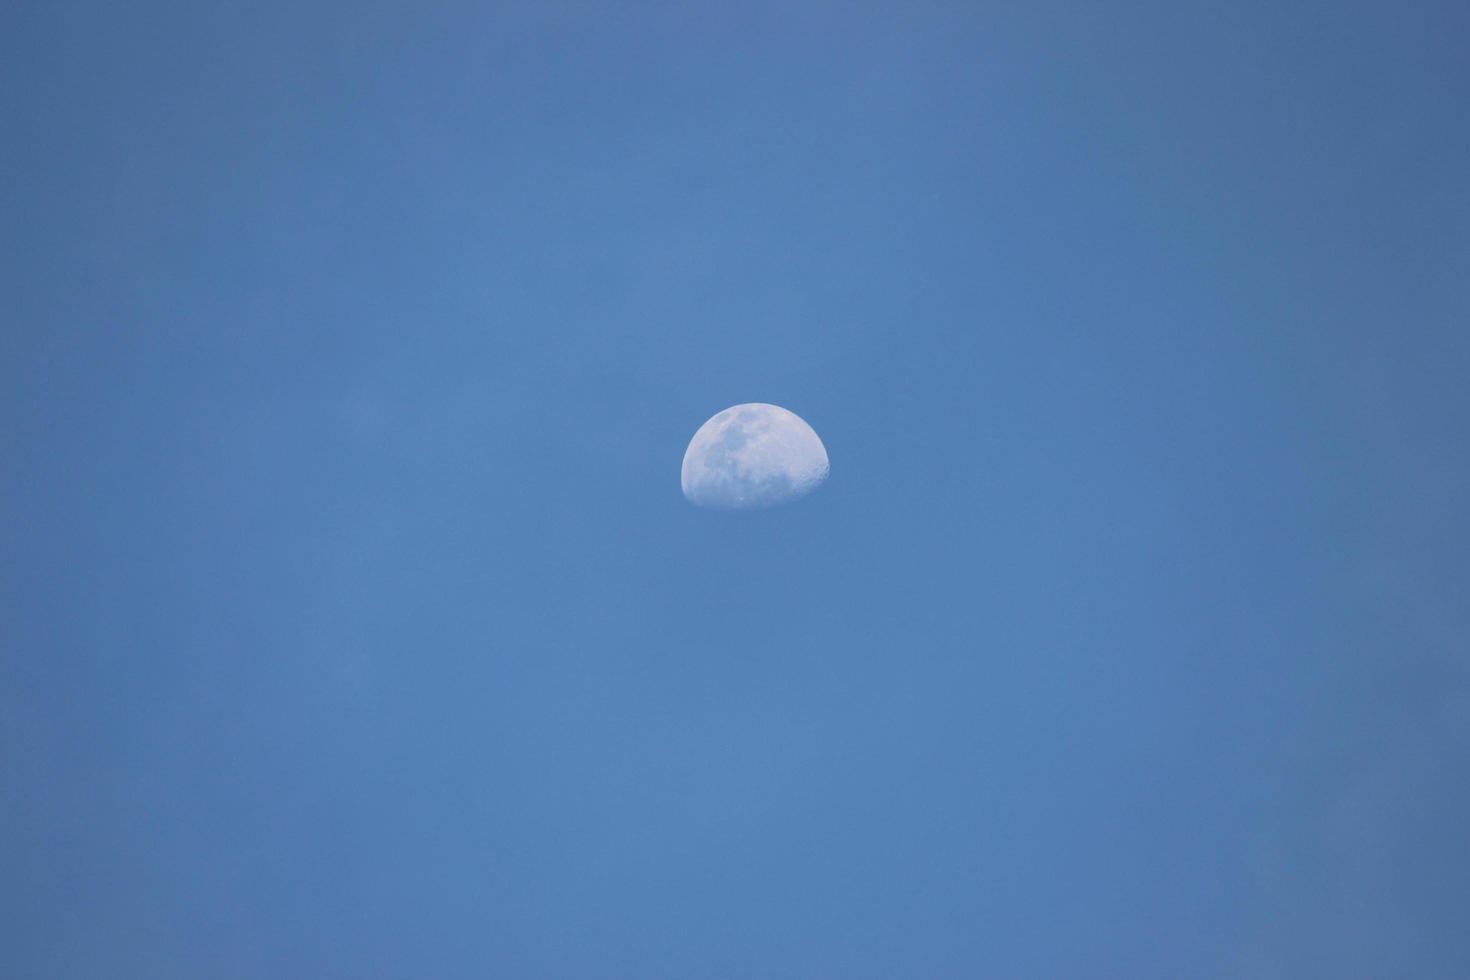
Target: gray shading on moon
753,455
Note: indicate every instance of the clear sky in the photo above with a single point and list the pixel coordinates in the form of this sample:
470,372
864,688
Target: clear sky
352,623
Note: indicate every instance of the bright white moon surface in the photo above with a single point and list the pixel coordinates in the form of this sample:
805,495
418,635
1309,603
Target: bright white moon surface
753,455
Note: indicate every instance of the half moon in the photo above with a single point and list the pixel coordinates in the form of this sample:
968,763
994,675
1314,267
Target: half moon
753,455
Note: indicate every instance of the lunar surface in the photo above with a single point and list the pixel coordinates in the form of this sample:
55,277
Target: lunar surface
753,455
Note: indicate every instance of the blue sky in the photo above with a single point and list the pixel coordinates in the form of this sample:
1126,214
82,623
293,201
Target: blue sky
352,623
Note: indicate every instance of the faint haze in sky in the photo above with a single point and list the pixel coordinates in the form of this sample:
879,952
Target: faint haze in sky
353,625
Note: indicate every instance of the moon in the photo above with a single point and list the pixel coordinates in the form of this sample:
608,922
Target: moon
753,455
